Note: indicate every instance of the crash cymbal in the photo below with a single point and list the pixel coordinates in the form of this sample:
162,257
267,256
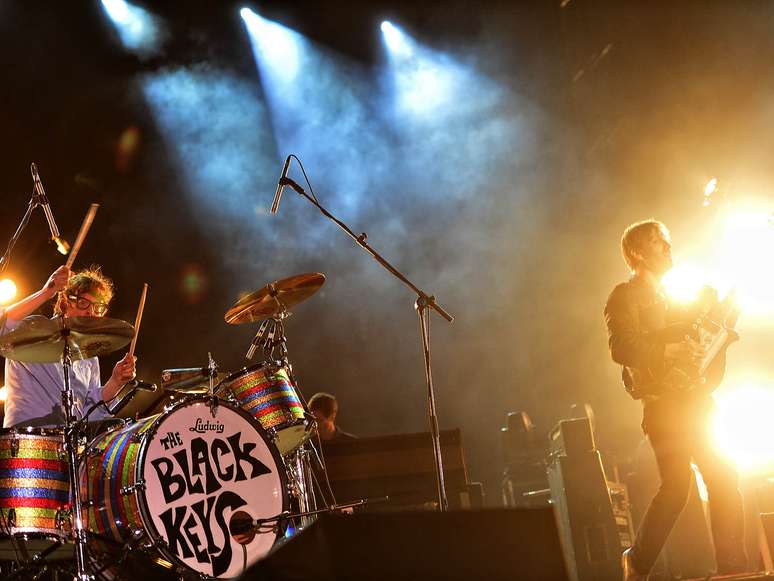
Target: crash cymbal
275,298
41,340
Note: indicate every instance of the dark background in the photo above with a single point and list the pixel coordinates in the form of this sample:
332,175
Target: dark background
613,112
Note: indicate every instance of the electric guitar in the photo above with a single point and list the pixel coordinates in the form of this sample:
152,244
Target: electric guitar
713,329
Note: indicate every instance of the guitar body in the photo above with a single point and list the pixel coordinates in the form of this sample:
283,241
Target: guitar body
713,329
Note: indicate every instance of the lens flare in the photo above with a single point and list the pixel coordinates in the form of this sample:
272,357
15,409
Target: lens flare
7,291
742,428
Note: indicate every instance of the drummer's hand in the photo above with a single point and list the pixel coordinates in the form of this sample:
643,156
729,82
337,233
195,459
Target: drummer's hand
124,371
57,281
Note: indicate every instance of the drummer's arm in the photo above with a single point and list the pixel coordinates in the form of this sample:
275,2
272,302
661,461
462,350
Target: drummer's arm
123,373
25,307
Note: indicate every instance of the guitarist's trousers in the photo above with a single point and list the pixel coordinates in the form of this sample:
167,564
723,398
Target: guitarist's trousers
679,433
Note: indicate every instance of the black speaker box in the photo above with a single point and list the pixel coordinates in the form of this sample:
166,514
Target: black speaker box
495,544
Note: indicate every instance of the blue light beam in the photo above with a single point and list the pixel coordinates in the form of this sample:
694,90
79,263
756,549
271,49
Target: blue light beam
423,80
277,47
140,32
395,40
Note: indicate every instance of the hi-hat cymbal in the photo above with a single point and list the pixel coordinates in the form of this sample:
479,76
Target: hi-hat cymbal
189,380
275,298
41,340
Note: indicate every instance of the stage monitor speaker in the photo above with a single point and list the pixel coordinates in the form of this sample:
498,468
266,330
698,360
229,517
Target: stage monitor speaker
495,544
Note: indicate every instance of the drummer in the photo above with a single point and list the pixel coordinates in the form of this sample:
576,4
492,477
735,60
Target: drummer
34,390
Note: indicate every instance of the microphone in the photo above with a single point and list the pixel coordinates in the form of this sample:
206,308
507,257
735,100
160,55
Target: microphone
280,186
138,385
40,197
134,386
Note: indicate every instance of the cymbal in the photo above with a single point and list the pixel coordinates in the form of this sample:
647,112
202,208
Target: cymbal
275,298
189,380
41,340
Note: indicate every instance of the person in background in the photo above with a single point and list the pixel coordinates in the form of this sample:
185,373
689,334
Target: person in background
325,409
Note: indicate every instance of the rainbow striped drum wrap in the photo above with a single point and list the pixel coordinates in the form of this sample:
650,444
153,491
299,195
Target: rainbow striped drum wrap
109,468
34,482
266,393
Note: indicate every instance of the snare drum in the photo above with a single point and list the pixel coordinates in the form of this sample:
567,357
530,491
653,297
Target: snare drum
266,393
34,494
177,484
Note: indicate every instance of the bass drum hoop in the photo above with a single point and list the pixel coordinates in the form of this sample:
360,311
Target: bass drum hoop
142,501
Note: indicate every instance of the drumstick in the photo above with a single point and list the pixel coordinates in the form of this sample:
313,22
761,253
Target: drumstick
138,319
82,234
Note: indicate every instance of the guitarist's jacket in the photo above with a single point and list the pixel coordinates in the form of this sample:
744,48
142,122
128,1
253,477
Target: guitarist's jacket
640,322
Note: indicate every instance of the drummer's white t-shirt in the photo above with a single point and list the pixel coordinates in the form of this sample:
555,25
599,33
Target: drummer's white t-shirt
34,390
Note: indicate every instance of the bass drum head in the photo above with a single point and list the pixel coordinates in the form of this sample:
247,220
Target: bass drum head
207,469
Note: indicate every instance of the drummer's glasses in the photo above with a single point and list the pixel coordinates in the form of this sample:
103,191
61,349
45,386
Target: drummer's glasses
97,309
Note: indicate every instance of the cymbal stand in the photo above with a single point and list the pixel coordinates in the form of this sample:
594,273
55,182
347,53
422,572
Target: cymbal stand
423,305
71,447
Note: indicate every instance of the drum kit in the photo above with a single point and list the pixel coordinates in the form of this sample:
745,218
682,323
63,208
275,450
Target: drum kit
202,489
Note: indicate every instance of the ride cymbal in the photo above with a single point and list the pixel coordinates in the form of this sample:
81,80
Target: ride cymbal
275,298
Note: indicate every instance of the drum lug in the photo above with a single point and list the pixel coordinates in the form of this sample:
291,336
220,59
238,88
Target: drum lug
62,517
10,518
127,490
14,447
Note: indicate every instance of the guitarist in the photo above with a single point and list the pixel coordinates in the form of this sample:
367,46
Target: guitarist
676,422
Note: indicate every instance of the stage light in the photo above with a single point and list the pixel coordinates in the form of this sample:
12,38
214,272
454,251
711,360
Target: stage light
424,80
138,29
397,42
273,45
7,291
746,244
684,282
734,259
3,393
742,428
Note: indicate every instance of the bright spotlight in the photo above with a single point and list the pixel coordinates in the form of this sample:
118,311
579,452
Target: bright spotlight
3,393
273,45
742,428
745,245
684,282
397,42
424,80
139,30
7,291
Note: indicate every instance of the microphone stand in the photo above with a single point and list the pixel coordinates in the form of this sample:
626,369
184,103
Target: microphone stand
15,238
423,304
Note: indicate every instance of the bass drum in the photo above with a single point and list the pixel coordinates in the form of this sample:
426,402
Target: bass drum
181,489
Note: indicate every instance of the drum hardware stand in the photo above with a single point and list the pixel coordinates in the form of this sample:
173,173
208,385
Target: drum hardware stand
302,484
260,523
212,370
423,305
71,447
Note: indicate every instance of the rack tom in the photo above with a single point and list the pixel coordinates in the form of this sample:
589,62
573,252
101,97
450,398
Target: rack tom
266,393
